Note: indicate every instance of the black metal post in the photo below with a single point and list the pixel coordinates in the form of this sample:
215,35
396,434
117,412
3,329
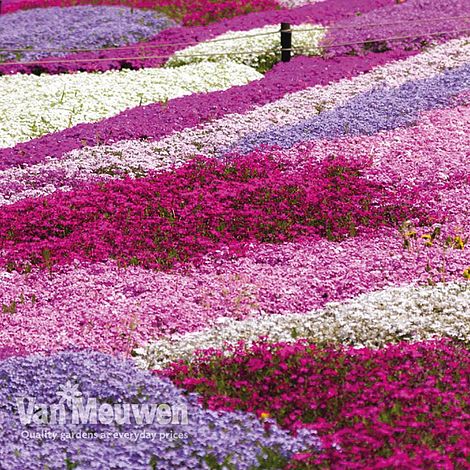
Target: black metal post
286,42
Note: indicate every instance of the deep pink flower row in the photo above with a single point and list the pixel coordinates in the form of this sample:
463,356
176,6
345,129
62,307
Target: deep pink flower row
178,216
202,12
156,121
191,12
157,49
405,406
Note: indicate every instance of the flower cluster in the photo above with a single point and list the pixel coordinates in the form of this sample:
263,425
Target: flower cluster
191,13
35,34
369,320
275,279
49,103
411,24
367,113
236,438
137,158
107,308
202,12
296,3
259,48
405,404
293,247
175,217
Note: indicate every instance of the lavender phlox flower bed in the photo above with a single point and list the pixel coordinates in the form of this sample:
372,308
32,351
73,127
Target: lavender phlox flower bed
44,32
231,437
380,109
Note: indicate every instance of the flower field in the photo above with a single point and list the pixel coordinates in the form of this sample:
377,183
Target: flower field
211,258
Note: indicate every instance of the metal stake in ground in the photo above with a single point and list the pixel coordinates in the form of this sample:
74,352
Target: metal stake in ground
286,42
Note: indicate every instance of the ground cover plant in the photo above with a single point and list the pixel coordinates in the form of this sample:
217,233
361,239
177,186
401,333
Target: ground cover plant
69,99
200,12
403,405
34,34
213,259
178,216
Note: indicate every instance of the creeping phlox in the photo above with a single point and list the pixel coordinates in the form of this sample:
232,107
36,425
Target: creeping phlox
209,127
260,125
260,51
81,27
285,262
410,25
77,409
369,320
196,11
404,405
398,154
190,12
110,309
297,3
174,218
49,103
202,12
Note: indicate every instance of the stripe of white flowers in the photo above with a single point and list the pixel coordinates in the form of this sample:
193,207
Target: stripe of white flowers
408,313
48,103
246,47
297,3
